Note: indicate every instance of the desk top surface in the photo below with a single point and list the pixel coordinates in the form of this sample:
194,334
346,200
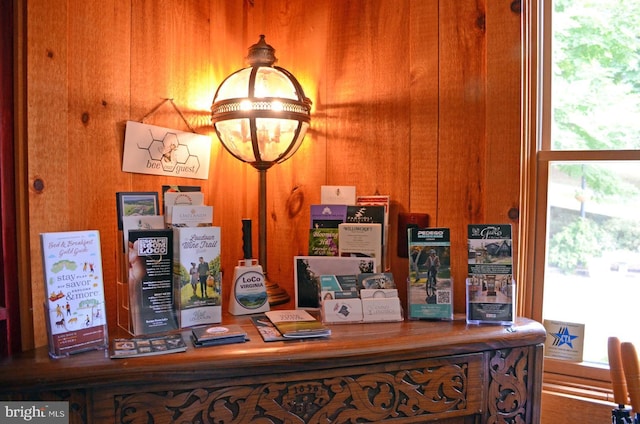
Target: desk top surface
348,345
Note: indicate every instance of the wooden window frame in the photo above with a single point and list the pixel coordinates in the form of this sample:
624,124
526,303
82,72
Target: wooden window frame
586,380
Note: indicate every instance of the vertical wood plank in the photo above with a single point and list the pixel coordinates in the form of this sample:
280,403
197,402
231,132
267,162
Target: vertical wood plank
78,160
424,107
423,157
48,151
22,177
170,45
368,106
233,185
98,52
504,110
462,139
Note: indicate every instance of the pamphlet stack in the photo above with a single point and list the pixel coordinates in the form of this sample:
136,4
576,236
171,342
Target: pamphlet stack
151,299
490,284
197,275
430,286
170,271
74,306
365,297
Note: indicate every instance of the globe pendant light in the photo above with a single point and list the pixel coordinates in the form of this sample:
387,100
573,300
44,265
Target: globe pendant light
261,115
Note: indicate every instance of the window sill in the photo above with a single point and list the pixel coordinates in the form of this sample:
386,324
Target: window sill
585,380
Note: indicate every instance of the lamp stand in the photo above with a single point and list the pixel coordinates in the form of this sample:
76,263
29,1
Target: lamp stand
275,294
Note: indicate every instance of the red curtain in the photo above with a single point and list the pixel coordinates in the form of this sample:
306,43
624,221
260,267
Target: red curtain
9,302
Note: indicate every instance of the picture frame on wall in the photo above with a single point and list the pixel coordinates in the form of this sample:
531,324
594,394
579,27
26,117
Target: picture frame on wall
131,203
307,271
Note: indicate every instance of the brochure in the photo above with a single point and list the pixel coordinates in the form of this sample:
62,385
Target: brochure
297,323
148,346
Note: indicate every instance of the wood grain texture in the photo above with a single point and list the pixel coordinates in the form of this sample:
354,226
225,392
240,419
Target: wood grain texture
422,372
368,108
423,152
351,344
423,156
414,99
461,129
558,406
98,58
48,147
502,173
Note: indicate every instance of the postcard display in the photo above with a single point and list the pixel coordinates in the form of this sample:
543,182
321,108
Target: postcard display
348,230
490,284
170,274
346,289
135,211
74,307
365,297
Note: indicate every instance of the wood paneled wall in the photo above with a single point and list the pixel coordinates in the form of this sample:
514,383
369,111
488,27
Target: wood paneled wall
418,99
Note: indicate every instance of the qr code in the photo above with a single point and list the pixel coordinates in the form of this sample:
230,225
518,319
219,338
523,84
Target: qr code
443,297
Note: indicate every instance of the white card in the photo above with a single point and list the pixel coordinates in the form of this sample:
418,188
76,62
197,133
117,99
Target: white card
149,149
338,195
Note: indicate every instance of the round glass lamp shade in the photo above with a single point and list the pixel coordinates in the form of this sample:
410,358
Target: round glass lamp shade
260,113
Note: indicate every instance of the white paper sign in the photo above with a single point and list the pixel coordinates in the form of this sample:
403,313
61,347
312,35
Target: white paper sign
338,195
149,149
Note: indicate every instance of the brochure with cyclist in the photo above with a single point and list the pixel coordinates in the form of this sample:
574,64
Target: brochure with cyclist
430,286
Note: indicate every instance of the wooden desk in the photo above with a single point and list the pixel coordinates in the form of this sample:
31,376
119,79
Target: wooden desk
412,371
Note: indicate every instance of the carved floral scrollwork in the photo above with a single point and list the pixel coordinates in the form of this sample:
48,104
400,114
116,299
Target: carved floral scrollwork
371,397
507,397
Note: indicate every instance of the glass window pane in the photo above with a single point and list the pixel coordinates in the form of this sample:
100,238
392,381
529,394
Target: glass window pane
595,75
592,272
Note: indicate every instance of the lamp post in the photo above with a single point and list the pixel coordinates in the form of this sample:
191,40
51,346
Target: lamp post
261,115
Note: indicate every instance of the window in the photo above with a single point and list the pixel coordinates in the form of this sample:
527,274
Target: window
582,173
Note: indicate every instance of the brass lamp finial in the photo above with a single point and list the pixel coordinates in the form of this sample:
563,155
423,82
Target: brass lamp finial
261,54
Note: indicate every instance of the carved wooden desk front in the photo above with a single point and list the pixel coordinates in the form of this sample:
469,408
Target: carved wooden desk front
412,371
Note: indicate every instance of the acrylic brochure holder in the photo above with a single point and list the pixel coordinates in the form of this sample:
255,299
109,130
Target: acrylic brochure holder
376,300
376,308
122,288
490,300
74,306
